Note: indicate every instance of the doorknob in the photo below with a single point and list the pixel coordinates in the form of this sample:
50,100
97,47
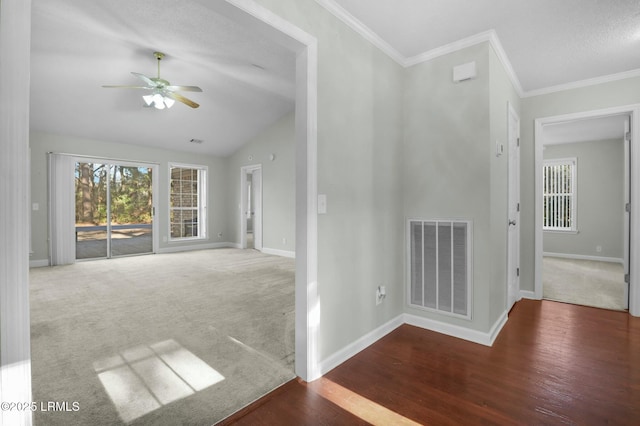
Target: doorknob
512,222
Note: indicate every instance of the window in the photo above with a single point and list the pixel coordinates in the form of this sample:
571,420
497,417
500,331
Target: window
559,195
188,206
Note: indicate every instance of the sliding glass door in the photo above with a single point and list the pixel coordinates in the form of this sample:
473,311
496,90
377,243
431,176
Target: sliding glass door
113,209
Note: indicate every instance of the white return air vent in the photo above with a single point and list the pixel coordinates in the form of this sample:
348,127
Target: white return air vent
440,266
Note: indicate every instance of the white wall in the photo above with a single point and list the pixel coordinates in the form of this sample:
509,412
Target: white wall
41,143
278,185
600,200
606,95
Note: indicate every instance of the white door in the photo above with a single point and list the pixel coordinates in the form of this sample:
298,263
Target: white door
256,181
627,200
513,233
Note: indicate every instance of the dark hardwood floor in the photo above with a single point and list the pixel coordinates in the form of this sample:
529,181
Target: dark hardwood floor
553,363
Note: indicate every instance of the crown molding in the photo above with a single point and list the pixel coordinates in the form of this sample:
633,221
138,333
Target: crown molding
582,83
487,36
356,25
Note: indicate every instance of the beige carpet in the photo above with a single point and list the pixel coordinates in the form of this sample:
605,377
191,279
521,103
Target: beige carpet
584,282
170,339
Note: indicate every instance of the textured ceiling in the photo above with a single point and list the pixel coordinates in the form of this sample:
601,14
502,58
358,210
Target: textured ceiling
248,82
548,42
79,45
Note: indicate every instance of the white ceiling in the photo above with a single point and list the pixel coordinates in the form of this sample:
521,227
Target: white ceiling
248,82
547,42
80,45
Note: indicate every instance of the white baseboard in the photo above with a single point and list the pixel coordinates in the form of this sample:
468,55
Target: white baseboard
276,252
359,345
526,294
38,263
370,338
177,249
585,257
475,336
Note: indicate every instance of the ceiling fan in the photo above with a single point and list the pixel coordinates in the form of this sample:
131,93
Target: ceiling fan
163,94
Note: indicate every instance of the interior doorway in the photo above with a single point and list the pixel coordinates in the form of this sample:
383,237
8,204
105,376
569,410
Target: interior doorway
251,207
584,198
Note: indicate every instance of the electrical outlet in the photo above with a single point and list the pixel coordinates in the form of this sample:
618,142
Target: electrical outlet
599,249
284,241
381,293
219,234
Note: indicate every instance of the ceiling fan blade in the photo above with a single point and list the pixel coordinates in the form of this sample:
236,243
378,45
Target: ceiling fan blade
127,87
144,78
184,88
178,97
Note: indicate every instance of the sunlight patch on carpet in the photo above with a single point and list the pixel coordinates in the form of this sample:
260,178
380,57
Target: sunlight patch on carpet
141,379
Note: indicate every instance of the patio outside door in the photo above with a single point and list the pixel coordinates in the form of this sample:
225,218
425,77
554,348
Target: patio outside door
114,210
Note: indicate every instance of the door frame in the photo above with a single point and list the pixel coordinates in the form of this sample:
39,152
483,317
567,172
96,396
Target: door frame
257,219
513,208
634,238
155,167
15,19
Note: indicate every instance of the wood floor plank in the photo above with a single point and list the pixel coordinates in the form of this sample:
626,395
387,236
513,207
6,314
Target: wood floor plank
553,363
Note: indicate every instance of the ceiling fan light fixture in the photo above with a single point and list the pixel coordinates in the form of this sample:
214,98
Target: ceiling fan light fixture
169,102
148,99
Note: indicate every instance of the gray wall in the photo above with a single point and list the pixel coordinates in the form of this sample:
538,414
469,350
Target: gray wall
450,169
41,143
606,95
278,185
359,140
446,162
600,199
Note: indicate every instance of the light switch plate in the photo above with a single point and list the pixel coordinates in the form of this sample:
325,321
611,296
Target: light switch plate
322,203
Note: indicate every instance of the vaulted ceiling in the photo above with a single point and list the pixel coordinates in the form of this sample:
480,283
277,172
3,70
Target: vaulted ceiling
248,82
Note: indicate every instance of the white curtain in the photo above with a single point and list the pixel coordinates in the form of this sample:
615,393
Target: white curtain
62,239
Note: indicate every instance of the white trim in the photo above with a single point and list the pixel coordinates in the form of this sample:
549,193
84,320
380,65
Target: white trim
361,344
244,170
194,247
15,350
583,257
513,209
39,263
277,252
487,36
525,294
490,36
203,201
582,83
483,338
634,265
307,302
373,336
360,28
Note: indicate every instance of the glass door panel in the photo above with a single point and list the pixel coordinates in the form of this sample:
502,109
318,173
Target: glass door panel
131,210
91,180
114,210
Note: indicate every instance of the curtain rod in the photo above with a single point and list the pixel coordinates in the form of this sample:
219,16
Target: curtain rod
108,159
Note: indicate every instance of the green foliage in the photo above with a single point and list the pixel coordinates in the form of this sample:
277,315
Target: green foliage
129,187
